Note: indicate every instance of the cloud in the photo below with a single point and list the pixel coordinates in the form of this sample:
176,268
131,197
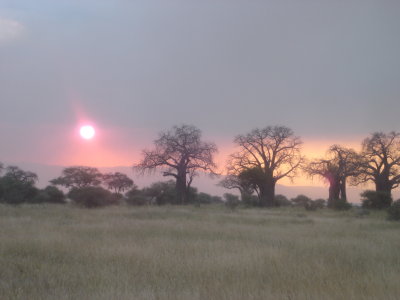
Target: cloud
10,29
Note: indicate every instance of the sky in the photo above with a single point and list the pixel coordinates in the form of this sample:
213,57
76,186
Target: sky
330,70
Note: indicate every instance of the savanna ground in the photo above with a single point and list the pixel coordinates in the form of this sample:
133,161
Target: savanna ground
64,252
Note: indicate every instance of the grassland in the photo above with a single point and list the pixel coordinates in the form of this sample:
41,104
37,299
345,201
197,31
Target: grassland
63,252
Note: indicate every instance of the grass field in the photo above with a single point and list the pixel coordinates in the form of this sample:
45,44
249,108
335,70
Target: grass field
63,252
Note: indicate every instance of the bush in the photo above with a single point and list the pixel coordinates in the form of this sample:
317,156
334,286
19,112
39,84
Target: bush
250,200
162,192
14,191
281,200
340,204
394,211
216,199
203,198
231,201
320,203
92,197
301,200
376,200
311,206
50,194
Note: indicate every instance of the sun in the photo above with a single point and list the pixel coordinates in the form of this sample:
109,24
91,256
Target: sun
87,132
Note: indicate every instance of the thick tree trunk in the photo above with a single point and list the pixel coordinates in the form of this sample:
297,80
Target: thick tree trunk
383,184
334,192
267,194
343,192
181,190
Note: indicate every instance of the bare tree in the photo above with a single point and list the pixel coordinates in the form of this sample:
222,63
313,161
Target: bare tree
381,161
268,155
180,153
339,164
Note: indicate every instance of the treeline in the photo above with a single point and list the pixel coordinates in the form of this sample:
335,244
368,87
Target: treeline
263,156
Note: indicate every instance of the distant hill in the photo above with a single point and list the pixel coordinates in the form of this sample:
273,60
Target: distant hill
204,183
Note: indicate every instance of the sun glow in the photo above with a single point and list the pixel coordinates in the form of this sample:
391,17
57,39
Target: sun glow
87,132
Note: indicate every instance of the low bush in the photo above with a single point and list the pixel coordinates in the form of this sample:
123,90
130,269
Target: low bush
231,201
394,211
50,194
340,204
281,200
91,197
376,200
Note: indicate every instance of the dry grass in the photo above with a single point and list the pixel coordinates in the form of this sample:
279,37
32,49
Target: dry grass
63,252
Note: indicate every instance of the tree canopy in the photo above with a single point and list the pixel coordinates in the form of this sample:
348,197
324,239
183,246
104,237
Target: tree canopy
266,155
381,161
180,153
78,177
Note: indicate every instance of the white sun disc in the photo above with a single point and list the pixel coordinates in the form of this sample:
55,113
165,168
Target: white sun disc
87,132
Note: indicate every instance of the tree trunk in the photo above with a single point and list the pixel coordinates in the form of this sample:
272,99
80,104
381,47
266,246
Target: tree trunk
267,194
334,191
383,184
181,191
343,192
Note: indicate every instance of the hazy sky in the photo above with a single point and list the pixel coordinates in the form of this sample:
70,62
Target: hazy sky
330,70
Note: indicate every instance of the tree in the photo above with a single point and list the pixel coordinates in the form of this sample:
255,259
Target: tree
381,161
239,182
16,174
266,156
18,186
117,182
79,177
339,164
180,153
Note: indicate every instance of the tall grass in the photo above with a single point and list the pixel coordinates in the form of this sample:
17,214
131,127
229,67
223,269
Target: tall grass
63,252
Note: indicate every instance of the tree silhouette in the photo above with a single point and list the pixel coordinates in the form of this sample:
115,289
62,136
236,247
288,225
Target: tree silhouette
381,161
245,187
180,153
266,155
117,182
339,164
78,177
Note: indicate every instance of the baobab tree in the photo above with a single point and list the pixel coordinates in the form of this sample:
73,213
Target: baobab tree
180,153
339,164
381,161
268,155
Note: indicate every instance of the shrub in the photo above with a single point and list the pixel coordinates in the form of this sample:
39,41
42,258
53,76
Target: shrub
14,191
311,205
50,194
340,204
375,200
281,200
162,192
250,200
394,211
301,200
320,203
231,201
216,199
92,197
203,198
